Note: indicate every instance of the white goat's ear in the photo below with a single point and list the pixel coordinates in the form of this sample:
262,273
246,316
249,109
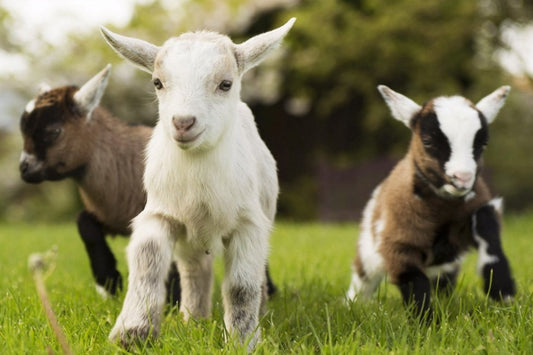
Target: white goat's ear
89,95
137,51
491,104
401,107
43,87
253,51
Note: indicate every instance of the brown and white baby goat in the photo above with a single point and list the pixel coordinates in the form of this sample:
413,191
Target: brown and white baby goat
433,206
67,135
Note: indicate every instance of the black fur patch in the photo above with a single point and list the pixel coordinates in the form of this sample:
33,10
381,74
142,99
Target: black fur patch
271,287
51,110
498,281
173,285
415,288
241,296
482,138
435,142
103,263
443,250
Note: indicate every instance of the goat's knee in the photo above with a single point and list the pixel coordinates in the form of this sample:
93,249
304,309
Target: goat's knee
149,258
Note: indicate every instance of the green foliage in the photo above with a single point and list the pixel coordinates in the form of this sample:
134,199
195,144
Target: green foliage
310,264
341,50
329,66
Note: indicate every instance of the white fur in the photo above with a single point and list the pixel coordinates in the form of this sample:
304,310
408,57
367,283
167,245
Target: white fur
497,203
89,95
402,107
30,106
102,291
31,160
214,191
437,270
484,257
371,259
491,104
459,121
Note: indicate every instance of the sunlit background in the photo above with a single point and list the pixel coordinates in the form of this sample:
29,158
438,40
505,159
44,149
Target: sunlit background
315,100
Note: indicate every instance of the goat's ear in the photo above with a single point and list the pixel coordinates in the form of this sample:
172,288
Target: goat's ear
43,87
253,51
89,95
141,53
401,107
491,104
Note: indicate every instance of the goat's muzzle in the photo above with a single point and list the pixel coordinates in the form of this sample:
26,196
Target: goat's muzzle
185,132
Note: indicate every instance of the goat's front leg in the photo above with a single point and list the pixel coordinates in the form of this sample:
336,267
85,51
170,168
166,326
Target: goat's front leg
149,256
103,262
404,265
415,288
492,263
245,260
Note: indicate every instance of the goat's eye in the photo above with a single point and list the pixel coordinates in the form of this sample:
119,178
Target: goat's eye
52,134
225,85
158,84
427,142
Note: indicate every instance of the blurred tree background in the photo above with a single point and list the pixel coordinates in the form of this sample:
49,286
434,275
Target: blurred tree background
315,100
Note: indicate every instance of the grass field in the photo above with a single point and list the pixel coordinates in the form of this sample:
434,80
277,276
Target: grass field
310,264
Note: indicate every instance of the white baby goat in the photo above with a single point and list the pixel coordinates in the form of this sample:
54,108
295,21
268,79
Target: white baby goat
211,183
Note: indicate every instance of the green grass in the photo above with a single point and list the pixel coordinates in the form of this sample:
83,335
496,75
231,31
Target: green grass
310,264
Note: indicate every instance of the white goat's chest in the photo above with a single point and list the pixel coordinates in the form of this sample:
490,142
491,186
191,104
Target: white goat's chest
207,200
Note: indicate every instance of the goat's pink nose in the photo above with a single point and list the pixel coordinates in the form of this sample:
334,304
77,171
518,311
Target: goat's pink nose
463,177
183,123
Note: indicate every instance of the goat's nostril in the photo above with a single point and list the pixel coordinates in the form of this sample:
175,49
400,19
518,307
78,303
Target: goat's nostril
183,123
463,176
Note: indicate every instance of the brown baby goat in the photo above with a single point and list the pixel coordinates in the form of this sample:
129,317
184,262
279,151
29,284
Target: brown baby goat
67,135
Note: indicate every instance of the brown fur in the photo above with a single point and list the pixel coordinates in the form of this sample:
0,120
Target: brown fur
112,187
412,222
110,152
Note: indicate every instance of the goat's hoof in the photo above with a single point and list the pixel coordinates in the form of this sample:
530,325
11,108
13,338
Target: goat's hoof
129,337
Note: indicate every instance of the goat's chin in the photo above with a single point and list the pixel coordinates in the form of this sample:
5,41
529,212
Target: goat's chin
453,191
188,142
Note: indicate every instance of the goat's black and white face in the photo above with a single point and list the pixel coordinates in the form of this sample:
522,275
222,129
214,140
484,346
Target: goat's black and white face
52,127
449,136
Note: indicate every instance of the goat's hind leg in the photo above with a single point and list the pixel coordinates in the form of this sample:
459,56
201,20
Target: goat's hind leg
103,262
445,282
149,257
173,285
363,284
492,263
196,277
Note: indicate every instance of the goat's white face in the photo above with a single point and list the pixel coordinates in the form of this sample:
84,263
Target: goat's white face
450,134
197,77
467,135
197,83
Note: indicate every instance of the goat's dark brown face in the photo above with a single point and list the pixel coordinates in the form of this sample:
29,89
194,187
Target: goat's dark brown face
51,132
